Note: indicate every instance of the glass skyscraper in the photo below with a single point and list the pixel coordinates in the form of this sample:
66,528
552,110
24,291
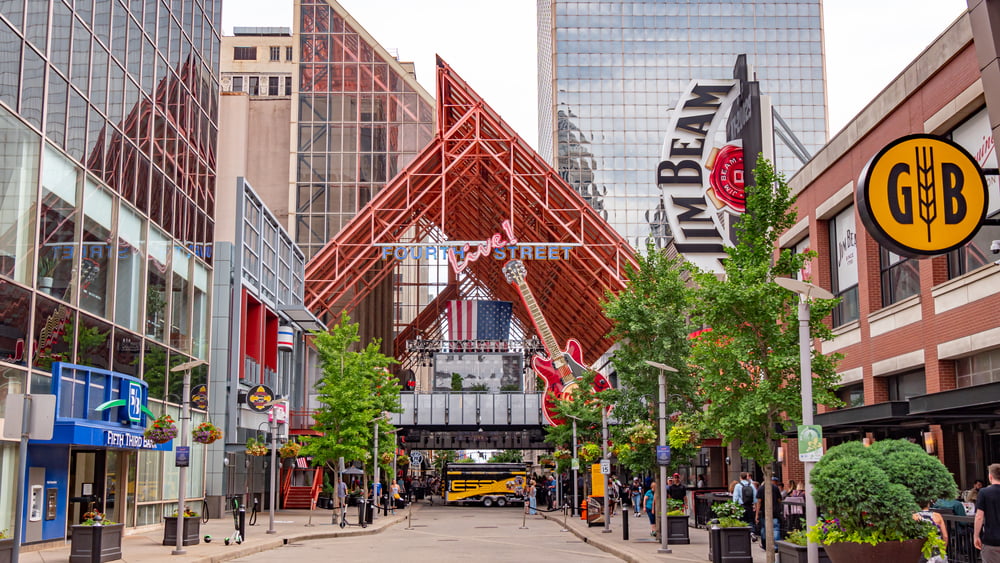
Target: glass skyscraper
611,72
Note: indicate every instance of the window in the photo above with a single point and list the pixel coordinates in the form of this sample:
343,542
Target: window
900,277
852,395
237,84
244,53
844,257
978,370
273,82
254,85
288,53
805,274
975,136
906,385
275,53
288,85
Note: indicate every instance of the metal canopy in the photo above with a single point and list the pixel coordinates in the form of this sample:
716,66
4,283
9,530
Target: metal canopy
474,175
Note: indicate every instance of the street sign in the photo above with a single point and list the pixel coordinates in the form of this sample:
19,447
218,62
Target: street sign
663,455
259,398
810,442
199,396
416,458
605,467
43,416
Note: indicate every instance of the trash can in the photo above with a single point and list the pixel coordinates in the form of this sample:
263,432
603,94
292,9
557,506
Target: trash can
365,512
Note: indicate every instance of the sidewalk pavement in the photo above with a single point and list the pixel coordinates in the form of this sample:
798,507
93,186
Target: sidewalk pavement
146,545
640,547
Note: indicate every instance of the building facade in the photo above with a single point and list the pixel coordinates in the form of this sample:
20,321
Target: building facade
108,114
610,72
920,338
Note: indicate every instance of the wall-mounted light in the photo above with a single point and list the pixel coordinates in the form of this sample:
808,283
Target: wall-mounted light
930,446
781,454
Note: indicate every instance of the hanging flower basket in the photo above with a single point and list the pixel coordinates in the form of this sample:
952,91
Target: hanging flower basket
403,460
256,447
590,452
642,433
206,433
562,454
162,430
386,458
289,450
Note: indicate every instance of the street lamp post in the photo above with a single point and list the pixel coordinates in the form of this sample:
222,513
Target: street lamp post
662,404
576,468
182,470
606,476
806,291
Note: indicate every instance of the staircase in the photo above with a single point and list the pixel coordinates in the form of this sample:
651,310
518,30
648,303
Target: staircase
300,496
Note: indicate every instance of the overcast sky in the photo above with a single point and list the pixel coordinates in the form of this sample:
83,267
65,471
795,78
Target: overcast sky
492,44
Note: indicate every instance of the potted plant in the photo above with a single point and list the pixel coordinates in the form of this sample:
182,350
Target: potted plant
46,269
729,535
95,539
561,454
191,530
792,549
6,547
869,496
161,430
677,522
206,433
589,452
256,447
641,433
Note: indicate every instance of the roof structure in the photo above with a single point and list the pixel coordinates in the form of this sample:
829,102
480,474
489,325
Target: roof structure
476,174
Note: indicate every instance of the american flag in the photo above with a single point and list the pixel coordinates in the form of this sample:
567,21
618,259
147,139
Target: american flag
479,320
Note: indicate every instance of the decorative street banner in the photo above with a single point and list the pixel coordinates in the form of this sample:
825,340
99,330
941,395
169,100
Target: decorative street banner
810,442
259,397
663,455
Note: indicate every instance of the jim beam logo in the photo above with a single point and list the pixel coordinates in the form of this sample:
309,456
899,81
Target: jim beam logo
701,177
922,196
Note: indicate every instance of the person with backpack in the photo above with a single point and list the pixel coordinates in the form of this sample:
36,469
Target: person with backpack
745,495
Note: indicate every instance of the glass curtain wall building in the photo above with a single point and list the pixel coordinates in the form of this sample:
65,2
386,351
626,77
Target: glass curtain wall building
611,71
108,113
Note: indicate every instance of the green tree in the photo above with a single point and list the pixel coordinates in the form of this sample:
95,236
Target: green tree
650,322
748,362
355,389
507,456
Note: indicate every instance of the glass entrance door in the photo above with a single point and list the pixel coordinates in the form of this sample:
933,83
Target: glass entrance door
86,484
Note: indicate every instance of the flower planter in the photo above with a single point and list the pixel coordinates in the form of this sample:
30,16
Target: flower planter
6,550
896,551
795,553
732,544
96,544
677,530
192,530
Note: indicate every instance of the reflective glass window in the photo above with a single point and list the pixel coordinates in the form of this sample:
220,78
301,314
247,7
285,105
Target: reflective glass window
52,319
58,244
900,277
15,301
199,312
844,265
157,258
180,300
93,342
129,257
97,250
19,148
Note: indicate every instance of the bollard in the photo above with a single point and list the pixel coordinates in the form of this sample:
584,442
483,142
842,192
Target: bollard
524,516
625,514
243,522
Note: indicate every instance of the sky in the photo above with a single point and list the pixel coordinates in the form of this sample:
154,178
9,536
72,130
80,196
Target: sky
492,45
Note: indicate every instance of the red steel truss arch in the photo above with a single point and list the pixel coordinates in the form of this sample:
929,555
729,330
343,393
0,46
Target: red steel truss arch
474,175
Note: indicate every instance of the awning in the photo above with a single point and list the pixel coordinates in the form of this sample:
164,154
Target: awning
978,402
888,414
302,317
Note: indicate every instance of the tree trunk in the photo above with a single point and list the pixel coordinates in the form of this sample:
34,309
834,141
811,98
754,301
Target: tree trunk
767,534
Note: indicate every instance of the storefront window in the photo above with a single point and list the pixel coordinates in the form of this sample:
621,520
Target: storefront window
156,283
147,487
130,251
18,181
180,301
98,247
8,483
199,314
51,323
844,255
58,244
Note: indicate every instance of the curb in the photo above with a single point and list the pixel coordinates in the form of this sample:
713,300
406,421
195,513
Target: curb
603,546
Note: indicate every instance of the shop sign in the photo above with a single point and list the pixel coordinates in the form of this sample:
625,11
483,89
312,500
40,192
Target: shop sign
259,398
127,440
921,196
810,442
199,396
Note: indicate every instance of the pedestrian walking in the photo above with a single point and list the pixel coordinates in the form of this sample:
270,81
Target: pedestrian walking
649,501
745,495
635,491
986,534
532,500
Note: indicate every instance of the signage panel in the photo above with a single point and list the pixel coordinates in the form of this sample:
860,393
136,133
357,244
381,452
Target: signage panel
259,397
921,196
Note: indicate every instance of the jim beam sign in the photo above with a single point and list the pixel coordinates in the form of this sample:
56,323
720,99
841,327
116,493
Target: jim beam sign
922,196
691,160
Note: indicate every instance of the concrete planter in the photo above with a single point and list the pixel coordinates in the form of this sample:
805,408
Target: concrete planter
729,545
6,550
192,530
96,544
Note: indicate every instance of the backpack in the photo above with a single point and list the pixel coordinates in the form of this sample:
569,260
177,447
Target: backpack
746,494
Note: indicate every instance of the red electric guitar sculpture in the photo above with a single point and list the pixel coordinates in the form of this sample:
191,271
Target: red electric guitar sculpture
561,368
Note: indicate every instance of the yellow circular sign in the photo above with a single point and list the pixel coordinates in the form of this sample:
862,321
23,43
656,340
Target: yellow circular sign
922,195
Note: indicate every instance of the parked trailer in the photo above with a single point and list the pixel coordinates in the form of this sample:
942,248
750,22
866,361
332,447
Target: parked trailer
493,484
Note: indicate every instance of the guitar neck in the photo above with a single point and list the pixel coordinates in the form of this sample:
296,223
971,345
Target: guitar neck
548,340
